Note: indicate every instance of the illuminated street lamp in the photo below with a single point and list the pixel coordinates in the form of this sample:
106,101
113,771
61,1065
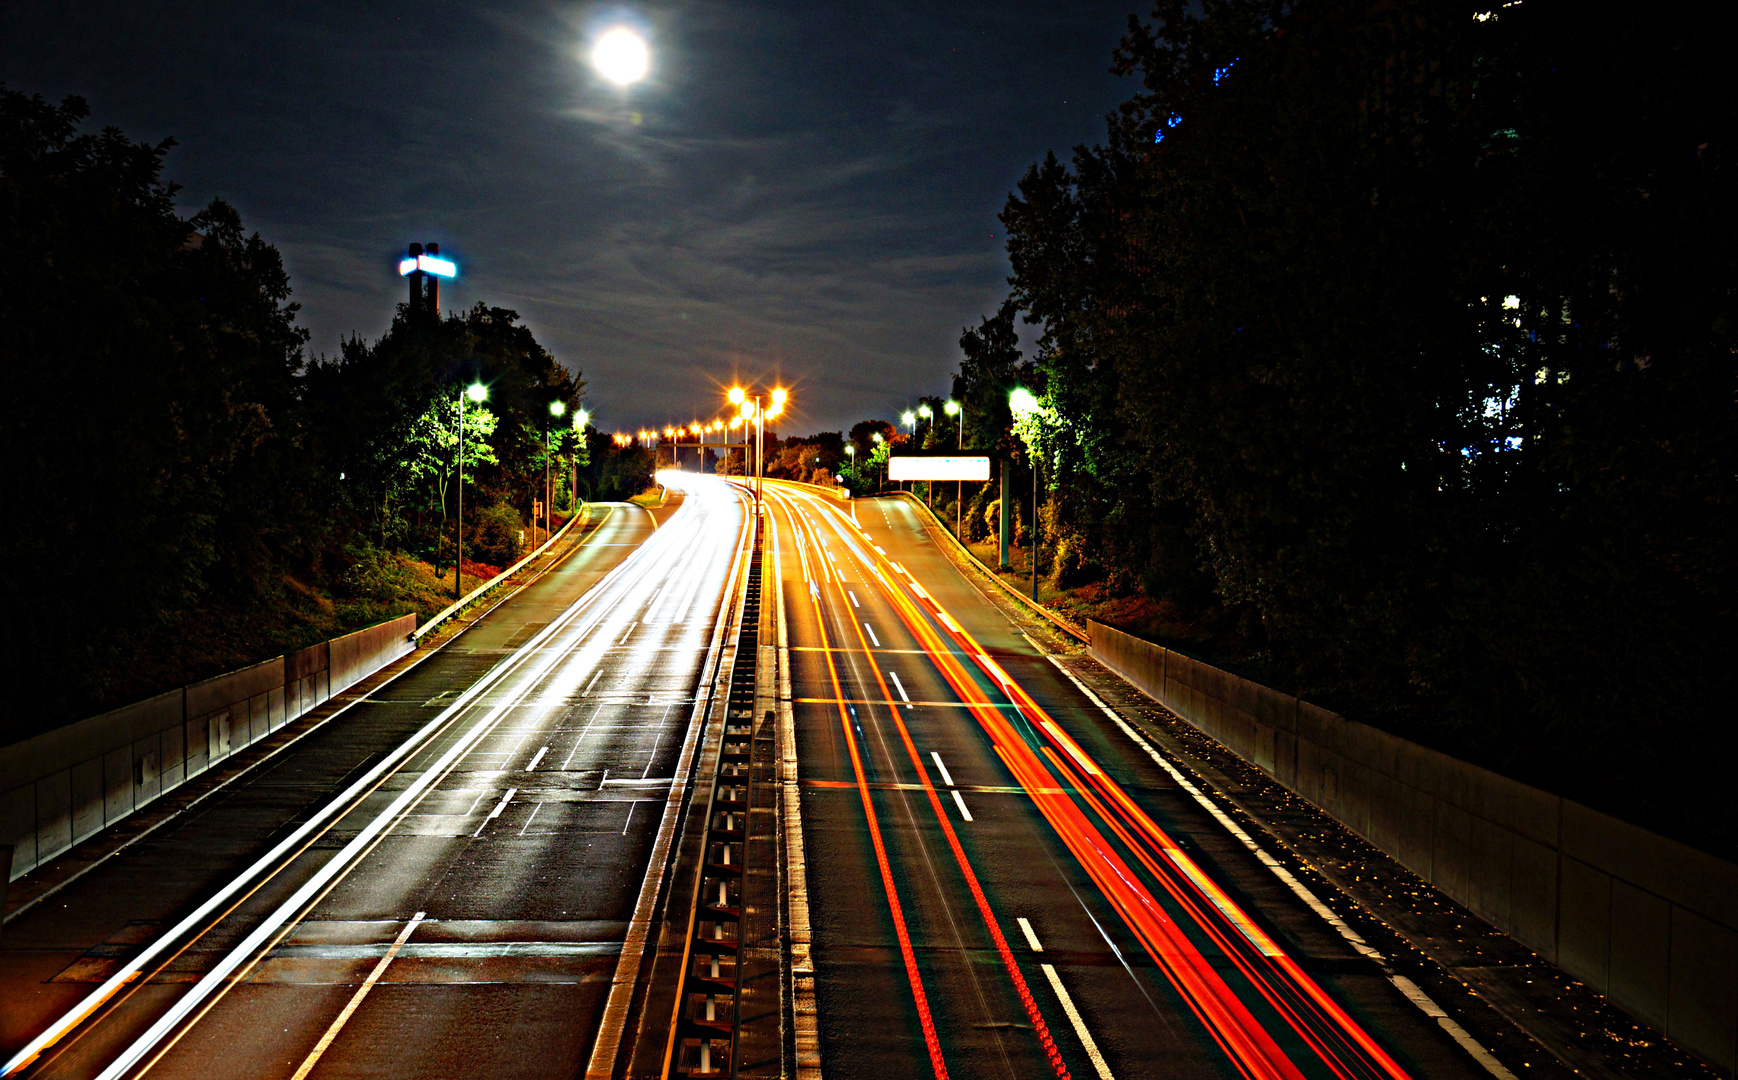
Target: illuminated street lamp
556,409
751,411
1024,403
478,393
954,408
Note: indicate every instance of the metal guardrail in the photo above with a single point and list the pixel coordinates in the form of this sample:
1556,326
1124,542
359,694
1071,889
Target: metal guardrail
471,597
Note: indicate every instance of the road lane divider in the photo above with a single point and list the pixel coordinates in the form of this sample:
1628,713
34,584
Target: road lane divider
945,775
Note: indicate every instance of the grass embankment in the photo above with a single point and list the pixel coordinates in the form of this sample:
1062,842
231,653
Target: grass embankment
286,614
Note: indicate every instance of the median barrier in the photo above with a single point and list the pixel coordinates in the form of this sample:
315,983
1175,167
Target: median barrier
65,785
1648,922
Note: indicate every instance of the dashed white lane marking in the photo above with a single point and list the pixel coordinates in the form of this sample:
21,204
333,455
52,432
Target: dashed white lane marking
534,812
901,688
1406,986
536,759
630,632
592,683
1087,1042
960,801
872,638
945,775
853,597
1099,1065
320,1047
506,798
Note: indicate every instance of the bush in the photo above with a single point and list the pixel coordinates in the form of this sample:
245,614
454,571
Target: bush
496,536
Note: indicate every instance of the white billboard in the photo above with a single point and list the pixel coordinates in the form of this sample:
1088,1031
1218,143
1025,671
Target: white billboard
927,467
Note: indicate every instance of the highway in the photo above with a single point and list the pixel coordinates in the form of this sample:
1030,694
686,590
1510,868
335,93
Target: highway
479,869
450,879
1004,884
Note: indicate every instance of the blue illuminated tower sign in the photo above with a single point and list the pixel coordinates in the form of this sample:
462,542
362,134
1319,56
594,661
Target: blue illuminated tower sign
425,268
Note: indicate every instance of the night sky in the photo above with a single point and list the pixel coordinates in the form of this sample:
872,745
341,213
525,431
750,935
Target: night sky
805,191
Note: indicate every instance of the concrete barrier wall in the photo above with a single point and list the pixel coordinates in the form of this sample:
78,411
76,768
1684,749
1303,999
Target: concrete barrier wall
64,785
1650,923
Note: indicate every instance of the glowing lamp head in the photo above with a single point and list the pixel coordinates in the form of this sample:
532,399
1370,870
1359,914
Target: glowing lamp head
778,398
909,417
852,450
924,411
477,392
621,56
557,408
747,412
582,418
875,436
952,408
736,395
1022,401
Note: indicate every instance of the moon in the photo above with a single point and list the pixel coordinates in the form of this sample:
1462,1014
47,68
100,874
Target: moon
621,56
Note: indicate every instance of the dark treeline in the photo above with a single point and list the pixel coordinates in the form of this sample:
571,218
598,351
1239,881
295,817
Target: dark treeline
186,491
1390,348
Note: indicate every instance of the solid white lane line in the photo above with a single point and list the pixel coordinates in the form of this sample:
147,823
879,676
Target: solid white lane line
356,999
945,775
901,687
536,759
1031,938
960,801
534,812
872,638
1407,987
1098,1063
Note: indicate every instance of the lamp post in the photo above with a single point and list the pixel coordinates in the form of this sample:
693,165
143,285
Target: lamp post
478,393
875,436
556,409
924,413
1023,403
954,408
752,411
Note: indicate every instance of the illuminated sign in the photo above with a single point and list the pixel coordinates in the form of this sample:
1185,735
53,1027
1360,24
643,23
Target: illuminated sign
911,467
428,264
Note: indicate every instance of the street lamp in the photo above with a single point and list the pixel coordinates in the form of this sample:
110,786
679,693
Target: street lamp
750,410
954,408
1024,403
556,409
478,393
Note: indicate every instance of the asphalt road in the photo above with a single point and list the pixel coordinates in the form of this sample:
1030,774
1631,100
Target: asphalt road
1004,884
464,912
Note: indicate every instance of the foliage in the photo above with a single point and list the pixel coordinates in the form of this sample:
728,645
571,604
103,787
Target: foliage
1398,346
198,494
496,535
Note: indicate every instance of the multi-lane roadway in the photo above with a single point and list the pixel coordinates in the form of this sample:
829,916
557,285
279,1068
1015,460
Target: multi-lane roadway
1007,883
469,872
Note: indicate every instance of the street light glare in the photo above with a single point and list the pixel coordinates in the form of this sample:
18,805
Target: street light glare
736,395
952,408
477,392
621,56
778,398
909,417
1022,401
556,408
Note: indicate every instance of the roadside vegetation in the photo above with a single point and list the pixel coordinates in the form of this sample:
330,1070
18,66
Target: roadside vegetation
1386,354
189,491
